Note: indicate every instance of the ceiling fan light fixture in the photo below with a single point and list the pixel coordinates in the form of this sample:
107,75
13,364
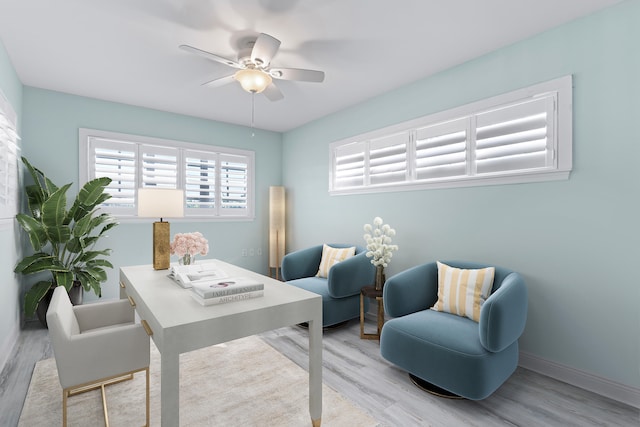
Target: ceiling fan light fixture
252,80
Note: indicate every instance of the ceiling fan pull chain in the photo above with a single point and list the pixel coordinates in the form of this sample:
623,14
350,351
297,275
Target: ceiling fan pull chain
253,107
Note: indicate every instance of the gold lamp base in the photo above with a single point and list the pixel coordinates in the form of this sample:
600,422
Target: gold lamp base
161,247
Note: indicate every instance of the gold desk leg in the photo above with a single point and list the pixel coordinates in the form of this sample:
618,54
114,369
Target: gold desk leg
316,423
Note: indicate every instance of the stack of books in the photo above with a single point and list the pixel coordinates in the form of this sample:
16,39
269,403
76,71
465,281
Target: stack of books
209,292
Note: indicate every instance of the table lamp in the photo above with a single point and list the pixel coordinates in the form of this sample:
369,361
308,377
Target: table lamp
161,203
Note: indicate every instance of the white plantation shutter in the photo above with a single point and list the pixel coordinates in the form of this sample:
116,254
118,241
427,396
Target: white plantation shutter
388,159
200,180
118,161
441,150
159,166
349,165
515,137
521,136
234,182
218,182
9,154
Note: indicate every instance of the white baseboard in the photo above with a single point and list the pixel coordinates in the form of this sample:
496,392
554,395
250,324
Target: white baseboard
7,346
603,386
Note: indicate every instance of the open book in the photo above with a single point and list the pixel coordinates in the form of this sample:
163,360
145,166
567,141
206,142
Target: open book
186,275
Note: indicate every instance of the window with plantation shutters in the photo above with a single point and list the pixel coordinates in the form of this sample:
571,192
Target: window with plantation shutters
234,175
200,180
515,137
9,155
349,165
217,181
441,151
521,136
388,159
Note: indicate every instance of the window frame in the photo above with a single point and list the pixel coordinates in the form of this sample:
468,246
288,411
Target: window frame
182,149
560,133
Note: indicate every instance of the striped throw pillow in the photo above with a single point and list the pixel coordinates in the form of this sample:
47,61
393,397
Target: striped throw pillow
332,256
463,292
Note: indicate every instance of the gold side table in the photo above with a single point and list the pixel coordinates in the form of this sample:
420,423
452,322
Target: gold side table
371,292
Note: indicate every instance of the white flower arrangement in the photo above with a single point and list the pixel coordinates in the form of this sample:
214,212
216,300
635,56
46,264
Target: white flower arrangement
378,238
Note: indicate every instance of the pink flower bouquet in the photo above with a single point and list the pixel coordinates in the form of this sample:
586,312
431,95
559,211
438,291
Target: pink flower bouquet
188,245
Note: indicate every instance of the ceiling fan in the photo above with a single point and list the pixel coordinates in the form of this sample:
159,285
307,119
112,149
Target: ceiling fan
255,73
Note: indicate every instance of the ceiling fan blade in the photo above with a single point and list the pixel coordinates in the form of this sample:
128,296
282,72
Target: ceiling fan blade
210,55
273,93
220,81
297,74
264,49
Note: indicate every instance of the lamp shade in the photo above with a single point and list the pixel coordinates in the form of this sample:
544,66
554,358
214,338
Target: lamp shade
160,203
252,80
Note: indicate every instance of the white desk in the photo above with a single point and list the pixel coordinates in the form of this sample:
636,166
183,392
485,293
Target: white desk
180,324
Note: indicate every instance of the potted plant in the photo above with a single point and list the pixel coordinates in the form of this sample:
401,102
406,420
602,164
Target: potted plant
63,240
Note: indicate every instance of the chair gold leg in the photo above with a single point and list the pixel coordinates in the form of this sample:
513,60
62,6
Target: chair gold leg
65,393
316,423
104,406
101,384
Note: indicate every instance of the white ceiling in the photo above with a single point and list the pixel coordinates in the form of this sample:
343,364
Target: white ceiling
127,50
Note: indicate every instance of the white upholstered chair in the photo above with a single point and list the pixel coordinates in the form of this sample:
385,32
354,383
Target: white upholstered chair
96,345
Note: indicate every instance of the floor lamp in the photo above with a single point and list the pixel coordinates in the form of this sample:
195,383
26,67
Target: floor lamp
276,229
161,203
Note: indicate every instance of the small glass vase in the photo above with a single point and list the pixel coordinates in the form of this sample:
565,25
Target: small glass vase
187,259
380,278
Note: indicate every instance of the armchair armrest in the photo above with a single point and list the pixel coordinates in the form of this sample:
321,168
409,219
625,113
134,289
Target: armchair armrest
504,314
412,290
107,313
127,347
347,277
302,263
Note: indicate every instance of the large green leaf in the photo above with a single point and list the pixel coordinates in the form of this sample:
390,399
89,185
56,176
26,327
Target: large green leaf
38,179
99,263
90,255
39,262
74,246
36,232
64,278
34,295
91,195
107,228
35,198
54,208
83,226
59,235
91,192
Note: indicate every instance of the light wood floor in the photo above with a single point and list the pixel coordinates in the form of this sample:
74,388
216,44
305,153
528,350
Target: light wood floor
355,368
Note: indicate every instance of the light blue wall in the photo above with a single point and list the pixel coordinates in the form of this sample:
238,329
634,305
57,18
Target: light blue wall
50,142
574,241
10,250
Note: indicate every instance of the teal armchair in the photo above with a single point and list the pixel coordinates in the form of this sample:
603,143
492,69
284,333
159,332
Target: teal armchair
340,291
455,354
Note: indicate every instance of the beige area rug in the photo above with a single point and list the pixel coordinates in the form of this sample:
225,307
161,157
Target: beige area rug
241,383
